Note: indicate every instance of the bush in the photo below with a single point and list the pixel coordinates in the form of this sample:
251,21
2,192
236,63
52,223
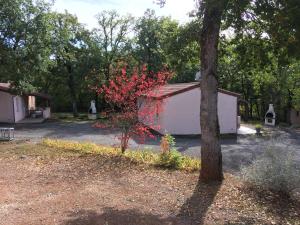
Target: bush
169,156
172,160
258,126
167,143
274,171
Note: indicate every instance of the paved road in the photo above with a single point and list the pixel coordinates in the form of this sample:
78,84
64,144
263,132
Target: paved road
236,151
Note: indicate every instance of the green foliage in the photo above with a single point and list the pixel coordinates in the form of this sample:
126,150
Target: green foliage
184,51
257,60
170,140
296,98
150,33
71,48
171,158
24,40
293,71
258,126
173,161
161,41
250,66
42,50
111,37
69,117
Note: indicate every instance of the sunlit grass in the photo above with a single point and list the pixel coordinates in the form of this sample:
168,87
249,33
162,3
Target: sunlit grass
173,160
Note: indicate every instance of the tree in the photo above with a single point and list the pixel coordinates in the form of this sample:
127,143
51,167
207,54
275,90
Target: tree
71,53
161,41
277,16
149,32
294,84
182,50
124,94
211,155
256,59
24,41
112,35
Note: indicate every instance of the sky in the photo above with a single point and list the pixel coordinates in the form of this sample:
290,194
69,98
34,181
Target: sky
86,10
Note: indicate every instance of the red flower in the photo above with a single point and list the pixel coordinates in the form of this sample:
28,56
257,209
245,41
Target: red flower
123,93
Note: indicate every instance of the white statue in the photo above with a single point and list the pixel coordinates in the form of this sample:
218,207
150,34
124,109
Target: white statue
92,108
92,115
198,76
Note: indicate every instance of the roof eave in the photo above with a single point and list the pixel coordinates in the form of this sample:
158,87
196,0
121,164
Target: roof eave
191,88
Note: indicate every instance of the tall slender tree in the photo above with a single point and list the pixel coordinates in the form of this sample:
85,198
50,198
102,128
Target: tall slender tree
70,50
112,34
211,155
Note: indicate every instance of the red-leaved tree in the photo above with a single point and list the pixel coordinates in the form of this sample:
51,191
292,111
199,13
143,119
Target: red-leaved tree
130,100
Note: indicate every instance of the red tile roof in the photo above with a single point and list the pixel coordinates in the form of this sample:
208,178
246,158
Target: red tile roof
174,89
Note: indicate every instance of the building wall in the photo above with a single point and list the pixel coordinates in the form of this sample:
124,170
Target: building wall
6,108
295,117
20,108
47,113
154,119
31,103
181,113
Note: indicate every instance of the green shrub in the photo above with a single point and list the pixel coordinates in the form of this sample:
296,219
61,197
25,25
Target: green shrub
258,126
143,156
171,160
167,143
175,160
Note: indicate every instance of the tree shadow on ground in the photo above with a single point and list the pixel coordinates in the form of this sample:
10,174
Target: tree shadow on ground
192,212
112,216
280,205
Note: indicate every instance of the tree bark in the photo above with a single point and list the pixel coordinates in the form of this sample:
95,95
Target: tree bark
211,155
71,84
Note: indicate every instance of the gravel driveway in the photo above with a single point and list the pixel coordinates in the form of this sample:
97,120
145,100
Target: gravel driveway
238,151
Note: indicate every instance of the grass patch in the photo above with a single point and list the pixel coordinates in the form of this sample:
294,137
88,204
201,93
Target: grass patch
69,117
173,160
27,148
252,122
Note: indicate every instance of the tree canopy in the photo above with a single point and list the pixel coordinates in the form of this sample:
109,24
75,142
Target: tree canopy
52,52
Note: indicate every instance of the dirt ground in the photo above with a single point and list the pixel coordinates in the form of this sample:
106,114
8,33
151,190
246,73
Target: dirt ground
41,185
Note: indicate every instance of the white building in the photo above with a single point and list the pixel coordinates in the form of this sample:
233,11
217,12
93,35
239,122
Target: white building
180,114
15,108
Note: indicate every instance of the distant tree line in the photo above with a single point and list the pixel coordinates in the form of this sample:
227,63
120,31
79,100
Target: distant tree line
52,52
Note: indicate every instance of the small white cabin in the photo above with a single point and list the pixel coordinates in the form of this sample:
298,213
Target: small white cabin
15,108
180,114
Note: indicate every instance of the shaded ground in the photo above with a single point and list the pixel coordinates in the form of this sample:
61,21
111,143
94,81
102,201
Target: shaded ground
236,151
41,185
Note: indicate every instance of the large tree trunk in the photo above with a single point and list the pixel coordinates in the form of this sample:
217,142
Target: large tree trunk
71,84
211,155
